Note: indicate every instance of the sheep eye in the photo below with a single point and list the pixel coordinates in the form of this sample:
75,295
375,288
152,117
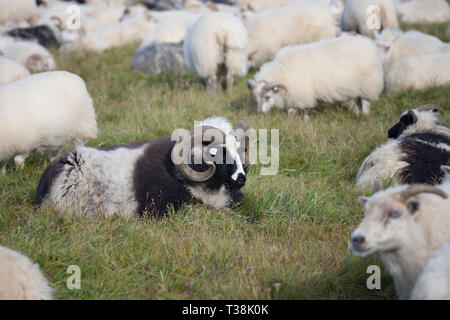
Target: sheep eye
267,98
393,214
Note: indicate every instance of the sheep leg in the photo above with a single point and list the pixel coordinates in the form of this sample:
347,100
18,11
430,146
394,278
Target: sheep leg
2,167
230,80
19,160
364,105
352,106
212,84
292,111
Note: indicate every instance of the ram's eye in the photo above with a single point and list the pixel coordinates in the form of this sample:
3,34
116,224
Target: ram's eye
267,98
392,214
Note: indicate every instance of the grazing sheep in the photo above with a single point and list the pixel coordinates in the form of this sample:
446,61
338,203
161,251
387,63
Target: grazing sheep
358,17
79,40
405,224
301,76
396,45
44,111
159,58
434,282
17,9
423,11
419,145
148,177
21,279
216,44
31,55
11,71
420,72
312,18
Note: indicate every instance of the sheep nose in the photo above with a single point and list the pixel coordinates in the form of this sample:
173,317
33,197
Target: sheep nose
358,241
240,181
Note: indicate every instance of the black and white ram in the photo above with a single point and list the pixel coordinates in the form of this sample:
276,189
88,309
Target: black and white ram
206,164
419,145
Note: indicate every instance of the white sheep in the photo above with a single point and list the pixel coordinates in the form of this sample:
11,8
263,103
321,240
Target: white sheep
420,72
369,16
395,45
405,224
21,279
423,11
11,70
44,111
17,9
6,41
434,282
329,71
261,5
31,55
296,23
216,43
82,39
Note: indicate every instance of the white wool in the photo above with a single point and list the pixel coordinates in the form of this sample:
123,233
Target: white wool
88,40
356,16
45,111
6,41
423,11
31,55
434,282
420,72
327,71
405,243
216,39
395,45
217,122
11,70
21,279
110,14
169,31
17,9
261,5
296,23
88,173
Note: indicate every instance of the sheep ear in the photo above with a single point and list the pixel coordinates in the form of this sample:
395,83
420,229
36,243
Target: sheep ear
363,200
413,206
251,84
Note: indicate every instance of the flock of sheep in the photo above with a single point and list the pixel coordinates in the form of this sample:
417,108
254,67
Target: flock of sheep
305,52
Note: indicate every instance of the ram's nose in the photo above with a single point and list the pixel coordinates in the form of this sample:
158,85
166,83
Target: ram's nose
240,181
358,242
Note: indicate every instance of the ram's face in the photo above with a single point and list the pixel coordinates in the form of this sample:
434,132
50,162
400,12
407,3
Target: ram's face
229,164
384,225
267,95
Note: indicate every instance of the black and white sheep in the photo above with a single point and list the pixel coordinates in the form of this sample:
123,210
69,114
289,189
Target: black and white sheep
148,177
419,145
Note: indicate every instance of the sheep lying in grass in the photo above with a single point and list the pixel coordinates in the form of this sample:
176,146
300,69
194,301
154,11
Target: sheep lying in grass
423,11
301,76
396,45
419,145
44,111
20,278
312,18
17,9
357,16
208,164
216,44
31,55
405,224
11,71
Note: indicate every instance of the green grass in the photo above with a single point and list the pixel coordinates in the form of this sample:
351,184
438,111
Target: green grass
287,240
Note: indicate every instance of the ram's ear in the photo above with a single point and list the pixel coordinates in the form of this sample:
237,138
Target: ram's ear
363,200
251,84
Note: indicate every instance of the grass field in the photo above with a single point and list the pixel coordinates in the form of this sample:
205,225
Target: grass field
287,240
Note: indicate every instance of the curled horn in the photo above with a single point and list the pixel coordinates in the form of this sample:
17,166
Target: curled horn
378,185
273,86
245,146
431,107
416,189
186,170
58,21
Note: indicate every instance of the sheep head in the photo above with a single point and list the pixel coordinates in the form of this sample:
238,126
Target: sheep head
207,154
389,216
424,117
267,95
